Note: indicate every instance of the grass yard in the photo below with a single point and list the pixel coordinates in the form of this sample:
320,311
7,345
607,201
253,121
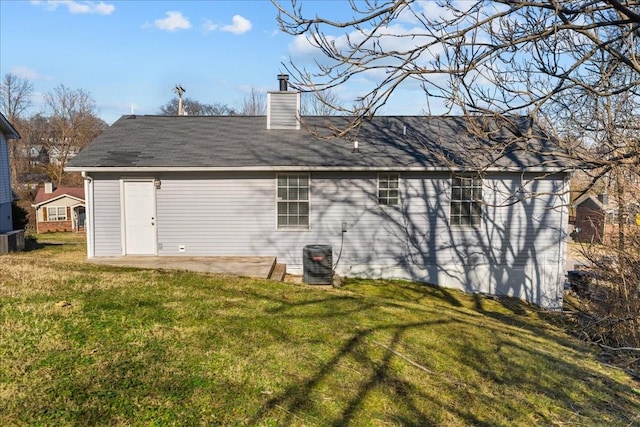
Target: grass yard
85,344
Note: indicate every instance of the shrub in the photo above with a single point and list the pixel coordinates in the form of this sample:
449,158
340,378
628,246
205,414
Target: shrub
607,300
20,216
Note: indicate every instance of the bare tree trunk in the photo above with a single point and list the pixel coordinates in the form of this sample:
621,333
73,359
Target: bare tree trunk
621,211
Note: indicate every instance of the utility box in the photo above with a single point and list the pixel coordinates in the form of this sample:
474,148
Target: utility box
11,241
317,264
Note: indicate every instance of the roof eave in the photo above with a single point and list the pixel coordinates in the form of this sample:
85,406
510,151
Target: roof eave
148,169
53,199
8,128
586,197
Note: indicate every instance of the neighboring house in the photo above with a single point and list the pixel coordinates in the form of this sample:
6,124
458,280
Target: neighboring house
590,220
42,154
403,197
59,209
10,239
55,154
38,155
597,218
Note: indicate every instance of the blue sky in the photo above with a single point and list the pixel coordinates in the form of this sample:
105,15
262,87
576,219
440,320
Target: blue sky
132,53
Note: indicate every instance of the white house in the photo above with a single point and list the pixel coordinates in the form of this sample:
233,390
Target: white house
419,198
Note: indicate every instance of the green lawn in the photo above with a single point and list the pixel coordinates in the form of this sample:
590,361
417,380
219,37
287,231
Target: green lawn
84,344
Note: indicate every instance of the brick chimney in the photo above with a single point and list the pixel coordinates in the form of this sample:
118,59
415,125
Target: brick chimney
283,106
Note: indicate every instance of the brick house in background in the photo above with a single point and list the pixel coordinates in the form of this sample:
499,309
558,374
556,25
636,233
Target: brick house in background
59,209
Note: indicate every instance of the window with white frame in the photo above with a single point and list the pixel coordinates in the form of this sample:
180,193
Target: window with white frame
293,201
466,200
56,213
388,188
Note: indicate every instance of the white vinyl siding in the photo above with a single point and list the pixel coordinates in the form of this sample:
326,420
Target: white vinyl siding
56,213
518,249
216,214
107,216
283,110
293,201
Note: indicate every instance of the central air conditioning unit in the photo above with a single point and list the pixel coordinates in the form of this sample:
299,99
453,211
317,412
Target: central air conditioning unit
317,264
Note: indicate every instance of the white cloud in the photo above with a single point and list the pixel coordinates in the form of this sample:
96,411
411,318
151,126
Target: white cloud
77,7
240,25
392,38
208,26
303,46
174,21
26,73
435,11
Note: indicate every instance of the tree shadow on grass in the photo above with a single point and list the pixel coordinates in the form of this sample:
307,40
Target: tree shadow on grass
408,291
295,398
377,361
521,310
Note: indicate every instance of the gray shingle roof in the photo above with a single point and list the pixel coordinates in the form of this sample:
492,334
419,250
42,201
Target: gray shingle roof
244,142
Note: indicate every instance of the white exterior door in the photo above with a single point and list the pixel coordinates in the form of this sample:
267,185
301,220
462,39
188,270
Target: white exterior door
139,218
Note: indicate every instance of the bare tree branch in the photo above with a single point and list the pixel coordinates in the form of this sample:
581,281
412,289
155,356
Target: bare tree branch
15,96
254,104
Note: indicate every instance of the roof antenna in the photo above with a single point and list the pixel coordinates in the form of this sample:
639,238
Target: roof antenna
179,90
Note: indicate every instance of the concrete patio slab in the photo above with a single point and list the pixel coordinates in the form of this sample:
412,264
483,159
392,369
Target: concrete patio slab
256,267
